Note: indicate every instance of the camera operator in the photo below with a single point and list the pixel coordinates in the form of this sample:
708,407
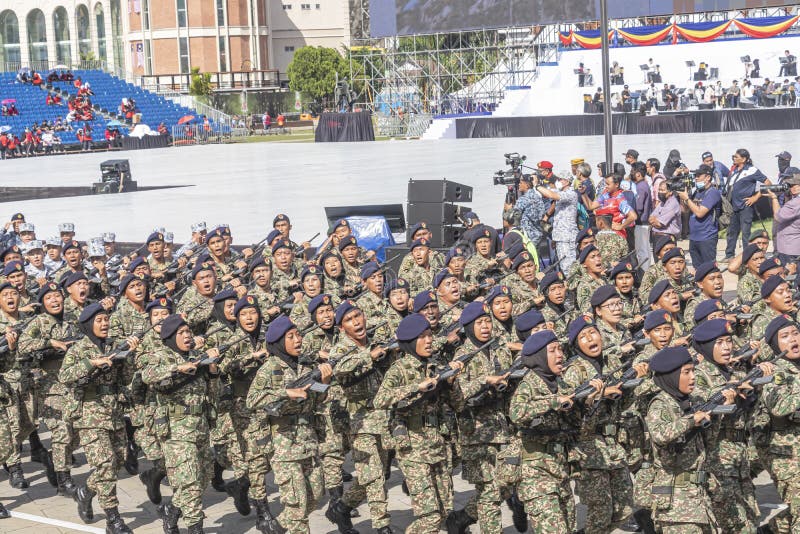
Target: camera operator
532,209
565,228
787,219
742,193
704,205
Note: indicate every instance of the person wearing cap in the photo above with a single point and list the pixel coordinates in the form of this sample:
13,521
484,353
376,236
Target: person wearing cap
532,209
312,283
76,295
542,410
371,300
500,303
196,240
34,263
219,250
282,224
787,218
73,257
565,227
420,273
674,263
285,273
449,292
607,308
27,233
483,266
742,191
14,273
593,276
720,173
522,283
44,342
613,247
734,501
261,288
704,205
360,370
89,373
398,303
156,258
421,230
66,232
183,395
680,495
623,277
747,290
349,252
422,449
483,426
109,240
708,278
53,258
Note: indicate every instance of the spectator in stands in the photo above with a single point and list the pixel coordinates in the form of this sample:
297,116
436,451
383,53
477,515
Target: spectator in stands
12,109
77,83
28,143
721,171
36,79
47,142
732,97
113,138
162,129
52,76
85,138
741,189
67,76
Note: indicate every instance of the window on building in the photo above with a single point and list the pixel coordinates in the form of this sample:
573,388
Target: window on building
287,7
100,24
183,51
117,42
148,57
220,12
181,9
288,49
37,39
223,54
305,7
10,52
84,32
61,27
317,6
146,14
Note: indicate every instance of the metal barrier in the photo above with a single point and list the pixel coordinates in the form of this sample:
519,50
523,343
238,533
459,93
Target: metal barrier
201,134
410,125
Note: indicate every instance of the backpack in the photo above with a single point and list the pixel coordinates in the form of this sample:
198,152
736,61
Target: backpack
582,219
726,213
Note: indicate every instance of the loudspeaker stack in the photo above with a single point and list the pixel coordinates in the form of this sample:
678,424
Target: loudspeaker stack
435,202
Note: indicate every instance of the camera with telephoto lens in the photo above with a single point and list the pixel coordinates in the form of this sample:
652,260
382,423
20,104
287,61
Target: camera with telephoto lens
776,188
510,178
684,182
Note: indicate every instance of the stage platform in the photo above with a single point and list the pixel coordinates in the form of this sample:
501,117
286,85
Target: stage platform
671,122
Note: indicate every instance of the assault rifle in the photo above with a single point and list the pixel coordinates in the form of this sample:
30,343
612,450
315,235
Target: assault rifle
19,327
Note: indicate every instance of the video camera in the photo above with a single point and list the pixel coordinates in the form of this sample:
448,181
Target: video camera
776,188
511,177
680,183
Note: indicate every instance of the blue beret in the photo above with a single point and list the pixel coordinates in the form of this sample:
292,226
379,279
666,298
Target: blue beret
318,301
281,243
170,326
621,267
748,252
583,234
71,278
88,313
411,327
514,248
247,301
258,261
422,225
455,252
219,231
278,328
671,254
521,259
670,358
397,283
8,285
342,309
524,322
201,266
123,285
585,253
710,330
658,290
602,294
280,218
68,245
662,242
225,294
369,268
776,325
538,341
769,263
423,298
346,242
49,287
440,277
155,236
161,303
311,269
12,267
497,291
577,325
226,230
341,223
471,215
272,236
706,308
9,250
656,318
136,262
553,277
480,235
758,234
472,311
422,242
704,269
771,284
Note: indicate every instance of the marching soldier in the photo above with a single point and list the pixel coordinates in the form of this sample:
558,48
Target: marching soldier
285,275
522,283
371,300
312,283
436,258
555,311
708,278
420,273
483,266
656,271
260,287
623,276
593,276
749,282
396,293
575,272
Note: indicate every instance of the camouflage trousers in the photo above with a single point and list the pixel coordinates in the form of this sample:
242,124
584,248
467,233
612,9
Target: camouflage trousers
607,495
369,457
229,437
63,439
259,454
632,438
431,489
480,468
142,418
105,453
8,442
683,528
642,486
21,417
733,501
300,486
333,431
188,460
548,500
785,471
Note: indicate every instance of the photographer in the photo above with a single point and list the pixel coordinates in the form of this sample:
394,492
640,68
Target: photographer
565,228
532,209
704,205
787,219
741,190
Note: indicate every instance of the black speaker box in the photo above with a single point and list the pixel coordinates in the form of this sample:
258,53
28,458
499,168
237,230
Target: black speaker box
438,191
443,235
435,212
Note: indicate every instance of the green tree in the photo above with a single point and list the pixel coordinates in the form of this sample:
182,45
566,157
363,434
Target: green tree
200,84
313,71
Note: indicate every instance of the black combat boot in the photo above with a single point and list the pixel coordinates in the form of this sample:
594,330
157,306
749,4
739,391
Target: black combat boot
114,523
37,449
49,469
3,512
65,485
16,477
197,528
518,515
334,494
218,483
131,450
84,496
458,521
346,477
385,530
238,490
387,472
338,513
152,480
645,519
265,521
169,518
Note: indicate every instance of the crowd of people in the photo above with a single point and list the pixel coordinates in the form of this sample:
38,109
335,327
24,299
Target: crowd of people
577,348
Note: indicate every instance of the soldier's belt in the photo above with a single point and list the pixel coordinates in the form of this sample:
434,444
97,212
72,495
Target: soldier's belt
179,409
417,422
93,392
292,420
240,387
733,434
544,447
690,477
606,430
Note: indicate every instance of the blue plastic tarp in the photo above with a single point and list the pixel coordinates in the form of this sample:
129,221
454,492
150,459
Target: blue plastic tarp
373,233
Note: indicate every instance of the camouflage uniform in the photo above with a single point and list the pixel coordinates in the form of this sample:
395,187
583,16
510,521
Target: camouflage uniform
631,307
586,288
419,278
72,310
266,299
360,378
435,260
749,288
484,432
283,283
92,407
297,471
604,484
680,496
227,450
201,309
574,276
299,314
643,394
479,268
21,412
422,450
612,246
373,306
352,273
523,296
183,419
734,499
546,434
143,413
559,323
651,277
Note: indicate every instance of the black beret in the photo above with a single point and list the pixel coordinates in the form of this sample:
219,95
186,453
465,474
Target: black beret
219,232
704,269
280,218
423,298
136,262
201,266
422,225
776,325
710,330
440,277
524,322
71,278
521,259
247,301
577,325
537,341
226,294
411,327
769,263
123,285
11,249
602,294
758,234
514,249
497,291
422,242
8,285
480,235
585,253
472,311
658,290
671,254
553,277
272,236
748,252
161,303
49,287
583,234
455,252
341,223
346,242
656,318
706,308
68,245
397,283
368,269
155,236
343,308
621,267
670,358
281,243
662,242
318,301
12,267
278,328
770,285
311,269
257,262
88,313
170,326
